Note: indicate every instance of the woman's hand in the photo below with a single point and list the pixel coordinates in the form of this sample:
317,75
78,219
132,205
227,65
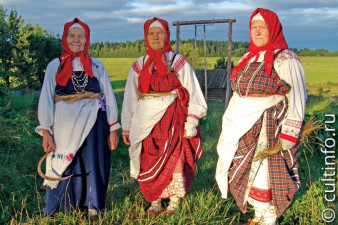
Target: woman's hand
192,135
125,138
113,140
287,145
47,142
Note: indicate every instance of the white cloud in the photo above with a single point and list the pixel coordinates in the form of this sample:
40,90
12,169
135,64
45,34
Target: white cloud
305,22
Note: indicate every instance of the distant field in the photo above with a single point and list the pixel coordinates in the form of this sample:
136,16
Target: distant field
321,73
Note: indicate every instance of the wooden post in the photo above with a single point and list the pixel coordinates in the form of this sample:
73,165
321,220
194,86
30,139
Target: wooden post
178,38
229,91
195,57
205,70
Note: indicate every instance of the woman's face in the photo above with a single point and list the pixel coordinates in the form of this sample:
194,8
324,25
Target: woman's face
156,38
76,39
259,33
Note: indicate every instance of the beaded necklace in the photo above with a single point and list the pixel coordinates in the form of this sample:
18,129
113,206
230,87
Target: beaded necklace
78,79
251,78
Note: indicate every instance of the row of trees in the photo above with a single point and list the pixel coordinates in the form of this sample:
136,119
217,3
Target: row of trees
138,48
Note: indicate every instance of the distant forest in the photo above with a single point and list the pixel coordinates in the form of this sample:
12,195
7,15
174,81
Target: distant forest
213,49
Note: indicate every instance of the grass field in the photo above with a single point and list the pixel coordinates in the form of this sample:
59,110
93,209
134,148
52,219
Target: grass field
321,73
22,195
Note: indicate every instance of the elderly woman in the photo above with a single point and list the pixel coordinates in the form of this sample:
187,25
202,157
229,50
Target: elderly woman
78,121
161,109
267,108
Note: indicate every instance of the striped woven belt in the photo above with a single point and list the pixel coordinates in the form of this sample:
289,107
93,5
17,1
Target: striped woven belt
155,94
259,95
76,97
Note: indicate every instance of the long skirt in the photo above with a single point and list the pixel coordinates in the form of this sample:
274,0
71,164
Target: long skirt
87,188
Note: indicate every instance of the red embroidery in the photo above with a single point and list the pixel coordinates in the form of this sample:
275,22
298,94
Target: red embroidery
125,132
293,123
136,67
113,124
194,116
261,195
179,64
286,54
69,157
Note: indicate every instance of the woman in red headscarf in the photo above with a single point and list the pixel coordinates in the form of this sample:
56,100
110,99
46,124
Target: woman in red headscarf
77,114
161,109
267,108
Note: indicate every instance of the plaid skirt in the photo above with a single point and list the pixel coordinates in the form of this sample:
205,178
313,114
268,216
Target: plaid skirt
162,148
283,172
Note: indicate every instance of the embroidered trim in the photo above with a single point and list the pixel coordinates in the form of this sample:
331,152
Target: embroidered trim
69,157
125,132
293,123
261,195
113,124
291,129
179,64
284,55
176,187
136,68
194,116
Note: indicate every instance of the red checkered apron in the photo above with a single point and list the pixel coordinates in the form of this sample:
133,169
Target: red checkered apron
165,145
283,173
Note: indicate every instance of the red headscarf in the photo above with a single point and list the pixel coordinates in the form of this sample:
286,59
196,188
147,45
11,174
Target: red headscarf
156,58
276,41
65,70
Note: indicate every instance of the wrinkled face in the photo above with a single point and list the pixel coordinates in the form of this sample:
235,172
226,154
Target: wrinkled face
76,39
156,37
259,33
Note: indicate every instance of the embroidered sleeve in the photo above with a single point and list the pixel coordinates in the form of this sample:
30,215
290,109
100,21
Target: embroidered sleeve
46,100
290,69
186,75
109,96
130,98
291,129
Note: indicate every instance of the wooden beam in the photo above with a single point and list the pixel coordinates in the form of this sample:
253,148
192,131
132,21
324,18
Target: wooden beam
203,22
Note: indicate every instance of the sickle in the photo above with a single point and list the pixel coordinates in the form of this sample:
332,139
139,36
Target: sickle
47,177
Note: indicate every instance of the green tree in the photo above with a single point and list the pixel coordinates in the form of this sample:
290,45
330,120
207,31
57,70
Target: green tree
13,47
25,51
43,48
221,63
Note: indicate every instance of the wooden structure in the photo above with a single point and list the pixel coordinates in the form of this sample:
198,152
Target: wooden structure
204,22
217,83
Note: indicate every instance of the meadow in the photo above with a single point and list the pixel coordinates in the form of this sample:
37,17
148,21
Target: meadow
22,194
321,73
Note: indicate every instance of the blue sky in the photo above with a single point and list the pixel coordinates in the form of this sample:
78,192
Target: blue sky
306,23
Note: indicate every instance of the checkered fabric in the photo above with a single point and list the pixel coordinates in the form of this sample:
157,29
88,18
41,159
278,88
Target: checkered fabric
162,148
284,179
260,84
